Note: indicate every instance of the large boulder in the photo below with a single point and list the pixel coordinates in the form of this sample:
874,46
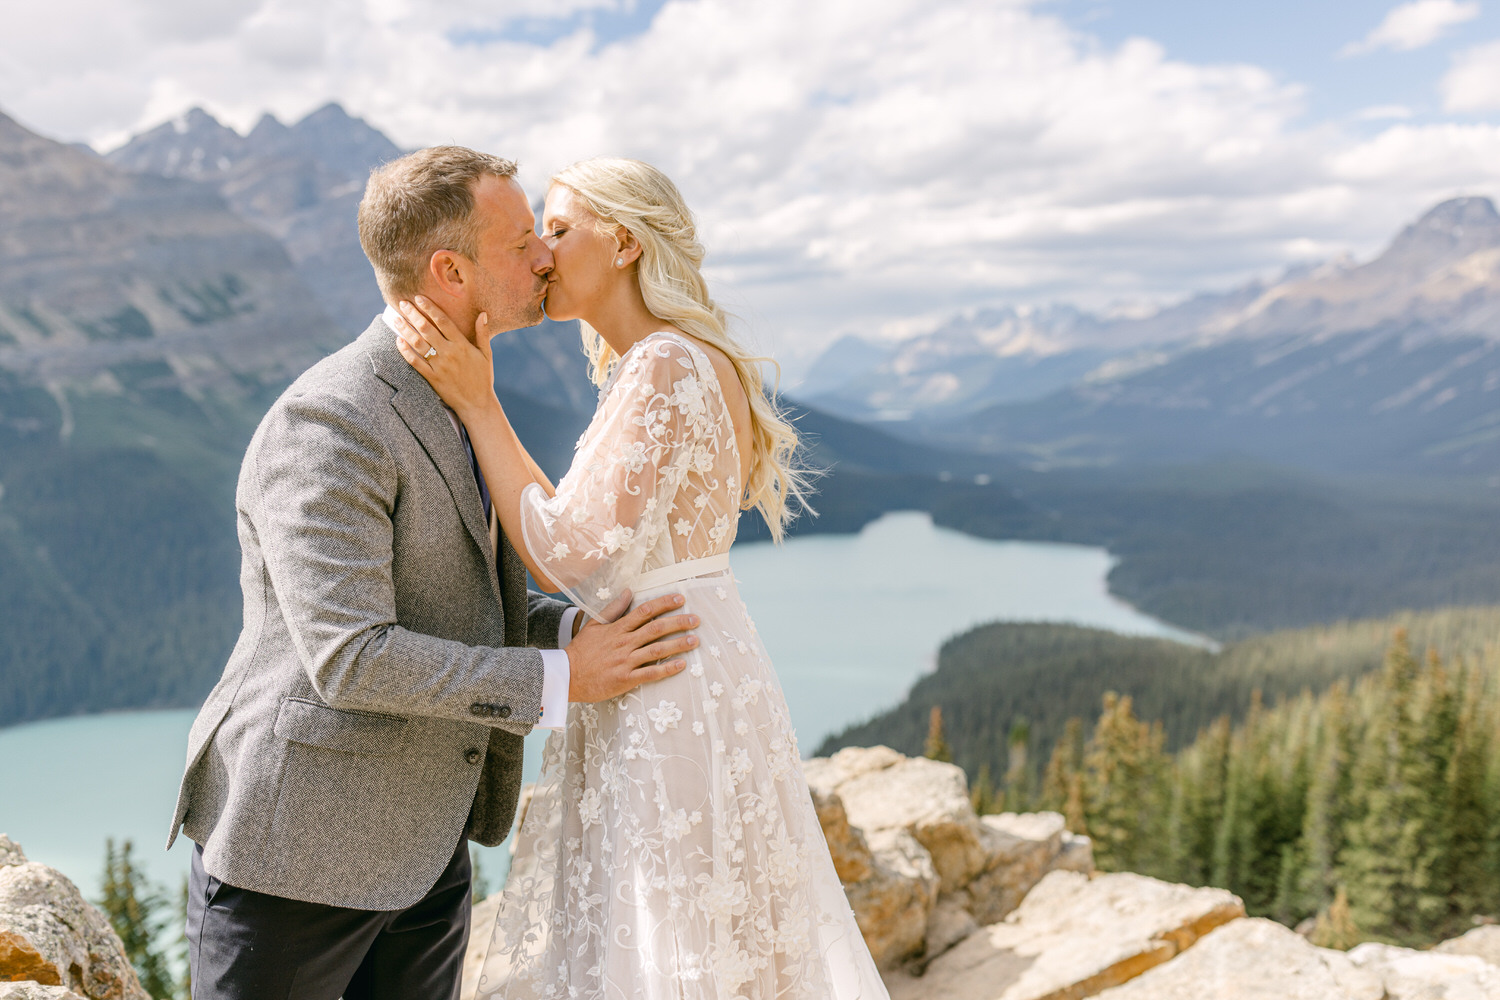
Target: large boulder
893,904
1424,975
883,790
1481,941
1020,848
51,936
1073,937
36,991
852,859
921,870
1253,959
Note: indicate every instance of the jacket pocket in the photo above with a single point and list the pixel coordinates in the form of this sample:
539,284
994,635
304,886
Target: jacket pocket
314,724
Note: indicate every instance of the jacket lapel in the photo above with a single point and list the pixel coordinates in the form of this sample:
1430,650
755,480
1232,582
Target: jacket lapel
427,418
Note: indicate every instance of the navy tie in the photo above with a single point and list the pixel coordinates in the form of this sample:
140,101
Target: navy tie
484,490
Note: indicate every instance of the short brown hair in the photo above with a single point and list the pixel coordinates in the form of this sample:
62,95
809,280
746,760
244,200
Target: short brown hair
418,205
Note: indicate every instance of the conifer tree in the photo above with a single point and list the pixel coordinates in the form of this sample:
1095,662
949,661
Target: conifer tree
1123,770
1335,928
134,908
1062,785
937,746
1395,848
1018,794
982,793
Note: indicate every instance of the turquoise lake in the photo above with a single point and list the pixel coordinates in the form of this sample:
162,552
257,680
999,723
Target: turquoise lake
849,620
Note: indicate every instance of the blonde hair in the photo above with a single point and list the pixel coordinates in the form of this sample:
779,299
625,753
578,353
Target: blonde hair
635,196
419,204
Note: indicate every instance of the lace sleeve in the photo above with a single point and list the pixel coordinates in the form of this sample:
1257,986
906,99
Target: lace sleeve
611,509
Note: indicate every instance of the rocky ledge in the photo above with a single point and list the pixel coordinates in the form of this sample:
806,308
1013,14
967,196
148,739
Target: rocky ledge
956,906
54,945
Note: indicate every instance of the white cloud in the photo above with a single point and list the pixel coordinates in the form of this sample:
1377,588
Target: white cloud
1414,25
853,163
1473,82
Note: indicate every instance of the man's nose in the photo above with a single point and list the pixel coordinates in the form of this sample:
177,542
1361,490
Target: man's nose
541,255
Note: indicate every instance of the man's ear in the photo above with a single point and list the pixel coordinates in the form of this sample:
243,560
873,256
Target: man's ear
449,273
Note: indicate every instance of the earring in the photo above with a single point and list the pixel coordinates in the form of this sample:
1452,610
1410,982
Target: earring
619,262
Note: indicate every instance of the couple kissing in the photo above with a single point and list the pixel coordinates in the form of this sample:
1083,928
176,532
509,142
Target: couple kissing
369,722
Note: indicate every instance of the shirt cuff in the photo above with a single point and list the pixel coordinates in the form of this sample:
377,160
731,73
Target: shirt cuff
555,678
565,628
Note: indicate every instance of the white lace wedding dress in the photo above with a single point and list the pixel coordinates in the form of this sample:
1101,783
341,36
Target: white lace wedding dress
671,849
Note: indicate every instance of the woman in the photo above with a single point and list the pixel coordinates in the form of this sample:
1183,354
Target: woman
671,848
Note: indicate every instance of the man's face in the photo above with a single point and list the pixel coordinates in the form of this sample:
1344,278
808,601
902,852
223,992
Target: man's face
511,272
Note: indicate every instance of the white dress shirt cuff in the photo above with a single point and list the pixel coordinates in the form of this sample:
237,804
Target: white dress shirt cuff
555,678
565,629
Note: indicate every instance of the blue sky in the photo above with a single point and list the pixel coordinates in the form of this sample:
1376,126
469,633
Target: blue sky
1298,41
868,166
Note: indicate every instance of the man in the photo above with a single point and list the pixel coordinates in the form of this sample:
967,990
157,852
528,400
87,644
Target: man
369,721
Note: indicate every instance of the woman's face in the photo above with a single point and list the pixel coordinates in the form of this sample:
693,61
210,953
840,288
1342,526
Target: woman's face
583,257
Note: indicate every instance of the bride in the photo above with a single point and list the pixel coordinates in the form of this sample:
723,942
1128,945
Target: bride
671,849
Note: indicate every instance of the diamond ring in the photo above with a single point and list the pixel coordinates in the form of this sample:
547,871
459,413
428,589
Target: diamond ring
431,353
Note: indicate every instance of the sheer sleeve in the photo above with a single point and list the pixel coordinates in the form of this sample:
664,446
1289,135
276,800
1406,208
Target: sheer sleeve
612,510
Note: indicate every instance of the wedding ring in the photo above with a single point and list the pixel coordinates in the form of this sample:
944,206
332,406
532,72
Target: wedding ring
431,353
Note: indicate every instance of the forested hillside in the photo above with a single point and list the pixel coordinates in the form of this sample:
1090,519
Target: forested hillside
1007,687
1348,774
1372,809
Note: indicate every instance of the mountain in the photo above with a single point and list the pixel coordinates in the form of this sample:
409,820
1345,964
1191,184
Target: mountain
144,328
994,355
1329,338
1389,367
302,184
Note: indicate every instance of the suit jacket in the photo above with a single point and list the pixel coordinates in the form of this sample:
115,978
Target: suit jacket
373,709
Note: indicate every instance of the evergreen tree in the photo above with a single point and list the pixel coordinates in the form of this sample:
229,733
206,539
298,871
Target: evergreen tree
1392,861
1335,928
982,794
1123,770
1062,785
135,909
937,746
1018,793
479,885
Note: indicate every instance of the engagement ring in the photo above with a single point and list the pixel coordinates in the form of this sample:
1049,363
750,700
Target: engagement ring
431,353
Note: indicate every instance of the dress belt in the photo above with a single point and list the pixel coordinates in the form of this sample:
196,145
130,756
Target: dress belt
677,572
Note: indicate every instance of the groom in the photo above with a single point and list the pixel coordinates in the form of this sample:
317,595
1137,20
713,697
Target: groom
369,721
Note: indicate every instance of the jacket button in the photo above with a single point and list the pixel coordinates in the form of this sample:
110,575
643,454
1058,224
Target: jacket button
479,708
504,712
473,756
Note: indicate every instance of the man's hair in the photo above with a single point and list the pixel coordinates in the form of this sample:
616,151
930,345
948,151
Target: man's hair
418,205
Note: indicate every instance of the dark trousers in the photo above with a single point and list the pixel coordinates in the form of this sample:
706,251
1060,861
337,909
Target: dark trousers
246,945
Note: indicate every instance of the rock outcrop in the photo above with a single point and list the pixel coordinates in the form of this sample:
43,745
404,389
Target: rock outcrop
1253,959
956,906
1406,974
36,991
1483,942
1074,936
54,945
921,870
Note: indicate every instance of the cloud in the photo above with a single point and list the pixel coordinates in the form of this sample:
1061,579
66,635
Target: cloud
1473,82
1414,25
853,163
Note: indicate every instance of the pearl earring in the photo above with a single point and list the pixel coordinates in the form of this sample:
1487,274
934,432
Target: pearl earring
619,262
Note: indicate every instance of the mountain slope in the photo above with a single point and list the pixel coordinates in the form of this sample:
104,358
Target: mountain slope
1390,367
302,183
144,328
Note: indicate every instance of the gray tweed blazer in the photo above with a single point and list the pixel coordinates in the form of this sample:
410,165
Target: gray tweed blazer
373,710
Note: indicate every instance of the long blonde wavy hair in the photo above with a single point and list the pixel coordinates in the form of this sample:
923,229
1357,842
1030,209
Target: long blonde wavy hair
635,196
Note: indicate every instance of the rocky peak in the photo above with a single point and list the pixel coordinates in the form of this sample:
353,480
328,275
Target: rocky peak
194,145
1449,232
